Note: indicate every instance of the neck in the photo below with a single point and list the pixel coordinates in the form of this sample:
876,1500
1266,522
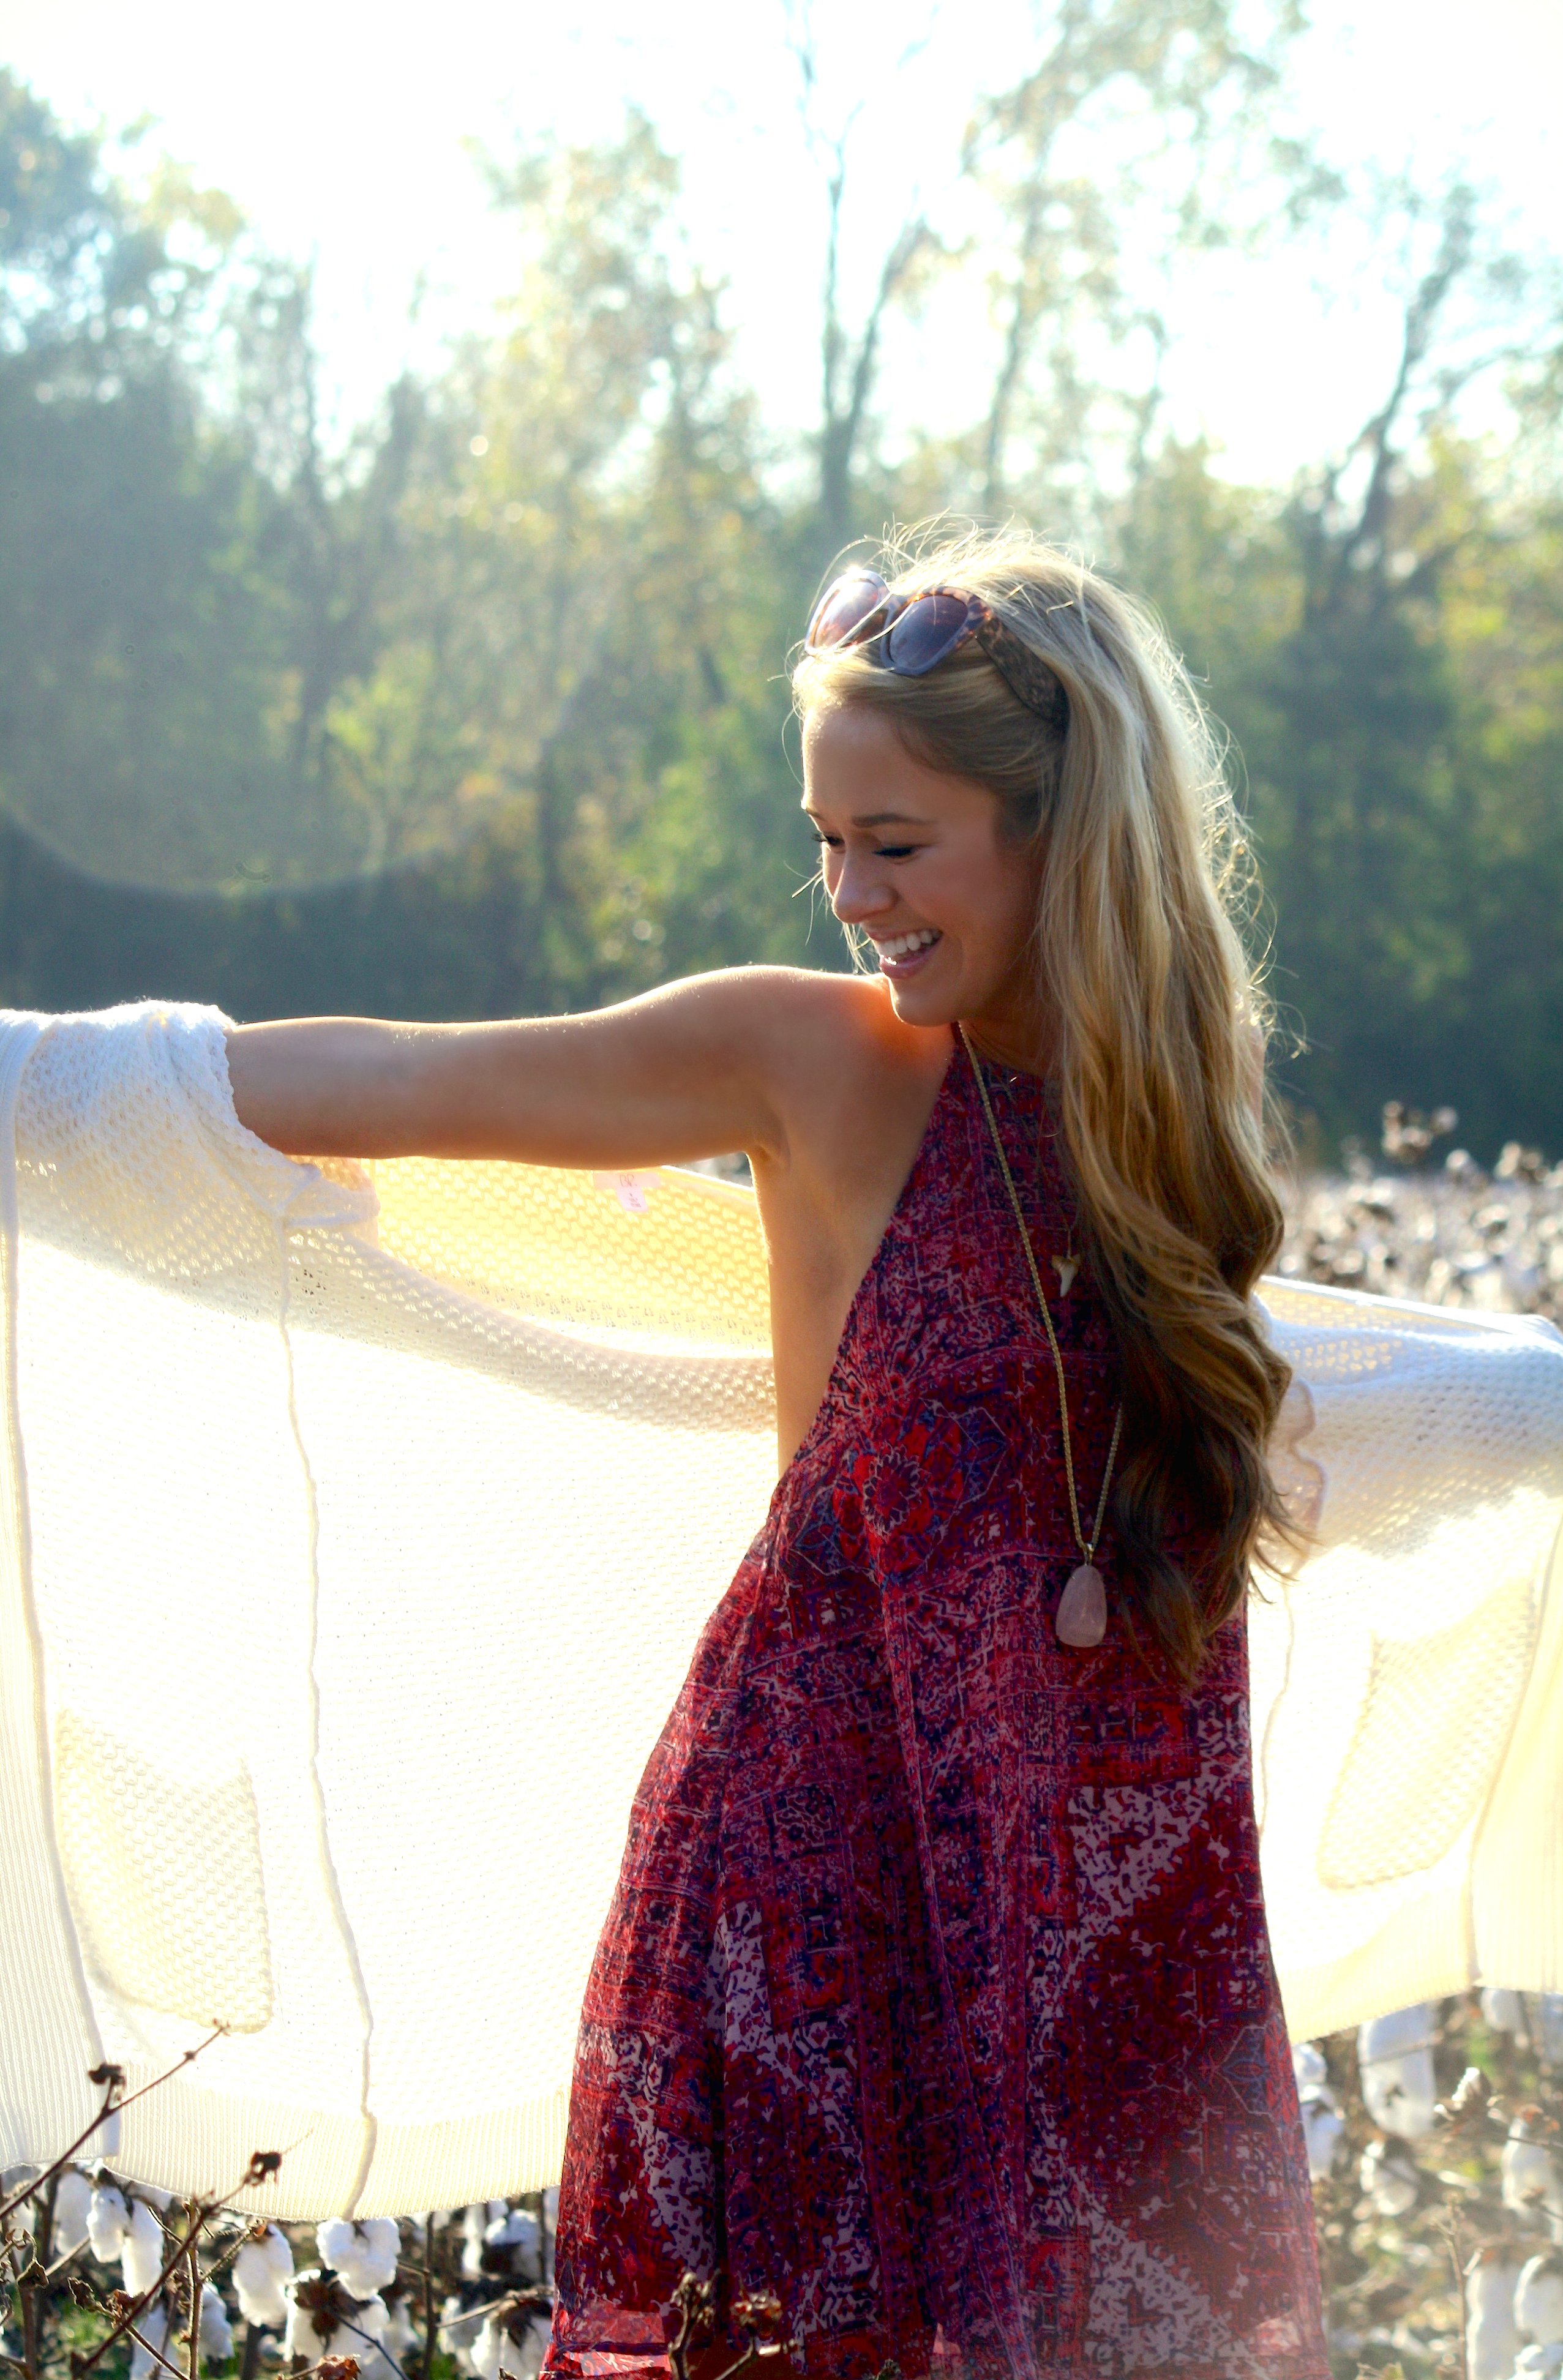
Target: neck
1021,1040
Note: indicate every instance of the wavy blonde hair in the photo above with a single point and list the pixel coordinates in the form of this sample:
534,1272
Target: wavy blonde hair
1158,1024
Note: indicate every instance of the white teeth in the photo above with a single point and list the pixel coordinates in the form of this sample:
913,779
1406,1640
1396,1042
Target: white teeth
899,944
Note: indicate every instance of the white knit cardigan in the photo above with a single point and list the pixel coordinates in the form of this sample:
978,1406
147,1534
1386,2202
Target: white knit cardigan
354,1538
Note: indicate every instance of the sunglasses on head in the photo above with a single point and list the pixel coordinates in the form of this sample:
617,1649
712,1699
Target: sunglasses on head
912,634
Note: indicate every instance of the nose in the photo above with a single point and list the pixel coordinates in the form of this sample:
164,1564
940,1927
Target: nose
860,890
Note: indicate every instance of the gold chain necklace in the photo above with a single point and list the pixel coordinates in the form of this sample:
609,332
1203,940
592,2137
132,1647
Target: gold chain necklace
1081,1616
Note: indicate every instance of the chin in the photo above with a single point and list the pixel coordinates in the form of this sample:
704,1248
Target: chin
916,1003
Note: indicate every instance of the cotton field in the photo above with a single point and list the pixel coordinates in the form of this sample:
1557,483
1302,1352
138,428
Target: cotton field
1433,2136
1408,1221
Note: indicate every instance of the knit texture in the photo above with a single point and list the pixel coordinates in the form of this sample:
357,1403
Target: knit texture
356,1535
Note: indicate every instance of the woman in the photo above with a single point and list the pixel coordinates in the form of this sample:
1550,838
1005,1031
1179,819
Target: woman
936,2000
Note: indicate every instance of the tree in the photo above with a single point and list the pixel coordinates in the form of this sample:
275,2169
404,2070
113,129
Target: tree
175,605
1363,785
1131,130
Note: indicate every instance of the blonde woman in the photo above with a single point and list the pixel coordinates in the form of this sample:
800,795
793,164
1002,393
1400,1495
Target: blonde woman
936,2001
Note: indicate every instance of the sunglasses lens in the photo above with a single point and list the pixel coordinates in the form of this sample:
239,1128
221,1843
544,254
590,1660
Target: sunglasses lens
926,633
842,610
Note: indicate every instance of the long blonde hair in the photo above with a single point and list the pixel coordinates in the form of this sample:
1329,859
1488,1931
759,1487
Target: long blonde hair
1158,1027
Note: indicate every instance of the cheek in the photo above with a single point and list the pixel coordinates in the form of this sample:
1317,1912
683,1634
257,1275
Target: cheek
993,897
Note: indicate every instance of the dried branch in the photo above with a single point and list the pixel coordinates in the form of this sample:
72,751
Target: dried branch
109,2078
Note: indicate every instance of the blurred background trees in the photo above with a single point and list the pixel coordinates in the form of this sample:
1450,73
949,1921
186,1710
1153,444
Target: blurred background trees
483,709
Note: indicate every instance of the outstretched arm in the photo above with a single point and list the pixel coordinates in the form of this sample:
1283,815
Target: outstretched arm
694,1069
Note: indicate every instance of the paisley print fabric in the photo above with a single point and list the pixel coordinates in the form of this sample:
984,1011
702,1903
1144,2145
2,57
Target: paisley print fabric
936,1999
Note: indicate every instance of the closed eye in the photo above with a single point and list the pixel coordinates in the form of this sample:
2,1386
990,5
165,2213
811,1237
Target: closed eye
882,851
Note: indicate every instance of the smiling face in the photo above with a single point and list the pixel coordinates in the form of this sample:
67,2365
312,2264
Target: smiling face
919,861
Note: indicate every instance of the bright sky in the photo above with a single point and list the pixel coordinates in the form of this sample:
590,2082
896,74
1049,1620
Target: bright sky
341,129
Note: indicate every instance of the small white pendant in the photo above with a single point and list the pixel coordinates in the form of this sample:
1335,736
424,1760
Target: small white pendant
1066,1268
1082,1608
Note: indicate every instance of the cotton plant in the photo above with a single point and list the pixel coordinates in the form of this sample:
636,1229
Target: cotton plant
367,2341
217,2329
324,2318
108,2222
511,2340
1538,2299
72,2199
1389,2179
515,2229
401,2332
1549,2027
1323,2124
458,2328
1534,2017
475,2222
156,2328
363,2254
1492,2335
1395,2064
142,2249
1527,2167
261,2271
1451,1236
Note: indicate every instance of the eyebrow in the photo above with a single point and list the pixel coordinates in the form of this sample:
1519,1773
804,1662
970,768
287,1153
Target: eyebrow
879,818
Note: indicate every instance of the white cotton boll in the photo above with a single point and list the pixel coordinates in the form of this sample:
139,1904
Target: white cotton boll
1538,2299
162,2199
217,2330
493,2352
516,2230
401,2330
301,2338
1394,2060
358,2336
1308,2066
1322,2127
475,2221
365,2339
1490,2351
261,2271
72,2199
1504,2010
1546,2026
523,2358
364,2253
1527,2172
488,2350
1492,2338
143,2249
154,2327
1539,2363
456,2335
108,2219
1389,2178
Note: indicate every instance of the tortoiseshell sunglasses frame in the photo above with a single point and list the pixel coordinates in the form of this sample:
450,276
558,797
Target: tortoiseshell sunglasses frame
1027,675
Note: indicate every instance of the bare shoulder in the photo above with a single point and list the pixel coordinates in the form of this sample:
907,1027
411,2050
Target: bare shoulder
830,1043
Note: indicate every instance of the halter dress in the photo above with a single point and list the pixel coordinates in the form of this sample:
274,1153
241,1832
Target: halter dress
935,1999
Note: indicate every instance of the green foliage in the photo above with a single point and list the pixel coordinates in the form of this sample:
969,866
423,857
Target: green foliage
488,712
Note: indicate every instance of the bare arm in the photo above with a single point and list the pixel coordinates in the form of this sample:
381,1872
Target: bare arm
691,1069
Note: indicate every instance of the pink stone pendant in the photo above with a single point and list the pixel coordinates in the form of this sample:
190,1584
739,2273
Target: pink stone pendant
1082,1608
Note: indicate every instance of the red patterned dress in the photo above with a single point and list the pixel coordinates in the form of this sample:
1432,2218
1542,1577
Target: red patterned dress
936,1999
